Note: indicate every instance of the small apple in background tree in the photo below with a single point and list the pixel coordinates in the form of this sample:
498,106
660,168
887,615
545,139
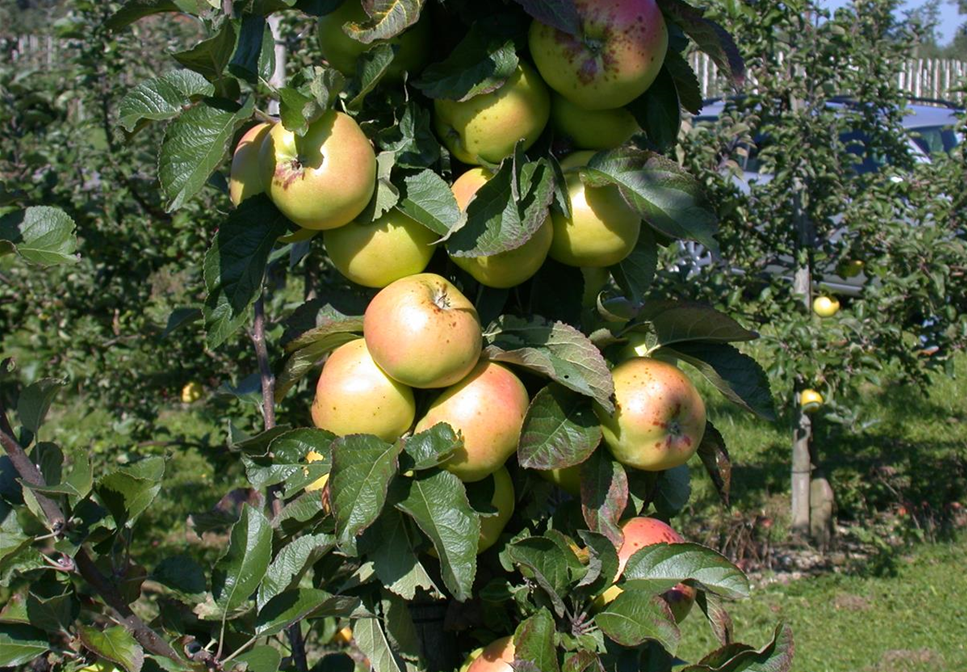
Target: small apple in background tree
591,129
423,332
602,229
354,396
810,400
850,269
487,408
245,179
374,254
613,60
507,269
342,51
325,178
659,416
486,128
191,392
498,656
825,306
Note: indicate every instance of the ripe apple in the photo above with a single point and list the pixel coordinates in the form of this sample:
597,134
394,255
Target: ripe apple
354,396
486,127
591,129
191,392
602,230
613,60
503,500
342,51
506,269
323,179
825,306
319,483
810,400
245,179
659,417
472,656
498,656
487,408
374,254
567,479
422,331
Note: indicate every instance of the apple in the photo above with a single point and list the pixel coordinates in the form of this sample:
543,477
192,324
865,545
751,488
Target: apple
245,179
319,483
498,656
325,178
374,254
591,129
810,400
343,635
659,416
503,501
191,392
506,269
487,408
602,229
850,269
354,396
342,51
825,306
485,128
423,332
472,656
567,479
614,59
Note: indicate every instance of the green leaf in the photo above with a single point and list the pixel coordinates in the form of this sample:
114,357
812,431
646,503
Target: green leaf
254,57
286,461
134,10
39,235
672,491
35,401
12,537
534,645
679,321
686,83
428,200
400,626
369,636
658,113
162,98
543,561
386,195
709,36
20,644
665,565
602,563
291,606
195,144
291,563
388,18
313,92
560,430
635,273
260,659
776,656
637,616
604,495
362,468
209,57
127,492
183,575
306,359
237,574
114,643
235,265
437,501
413,142
54,613
556,350
667,198
338,306
581,661
392,550
561,15
715,458
483,61
371,66
431,447
181,317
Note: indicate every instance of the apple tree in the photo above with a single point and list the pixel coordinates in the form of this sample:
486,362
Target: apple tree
474,428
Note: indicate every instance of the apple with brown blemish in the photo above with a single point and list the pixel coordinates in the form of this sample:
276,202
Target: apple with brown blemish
659,416
615,56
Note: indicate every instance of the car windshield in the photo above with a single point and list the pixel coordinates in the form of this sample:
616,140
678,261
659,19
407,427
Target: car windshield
935,139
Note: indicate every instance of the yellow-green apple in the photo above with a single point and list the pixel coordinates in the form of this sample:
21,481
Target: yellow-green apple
498,656
354,396
810,400
486,128
487,408
825,306
319,483
323,179
191,392
506,269
423,332
602,229
374,254
503,501
638,533
245,179
591,129
567,479
659,416
342,51
850,269
614,58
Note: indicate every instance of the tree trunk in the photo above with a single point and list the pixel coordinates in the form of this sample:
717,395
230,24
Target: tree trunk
802,432
278,76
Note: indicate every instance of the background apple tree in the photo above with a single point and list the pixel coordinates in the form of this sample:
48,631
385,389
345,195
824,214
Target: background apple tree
355,529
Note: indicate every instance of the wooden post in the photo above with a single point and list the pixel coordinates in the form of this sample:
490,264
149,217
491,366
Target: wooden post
802,432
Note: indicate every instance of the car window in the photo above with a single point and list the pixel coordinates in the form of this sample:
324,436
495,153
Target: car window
935,139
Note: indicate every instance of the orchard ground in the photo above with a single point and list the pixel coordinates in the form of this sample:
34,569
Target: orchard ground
890,602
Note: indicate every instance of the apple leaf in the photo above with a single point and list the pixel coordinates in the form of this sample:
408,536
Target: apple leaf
715,458
556,292
386,195
388,18
428,200
658,112
20,644
582,661
40,235
362,468
673,487
264,658
331,314
776,656
481,63
676,322
635,273
312,92
393,551
637,616
534,646
286,461
115,644
35,401
209,57
713,607
431,447
372,640
126,492
736,375
371,67
162,98
602,563
292,606
134,10
437,501
560,14
560,430
661,566
54,613
412,140
604,495
183,575
686,83
291,563
307,358
547,564
709,36
237,574
181,317
254,57
556,350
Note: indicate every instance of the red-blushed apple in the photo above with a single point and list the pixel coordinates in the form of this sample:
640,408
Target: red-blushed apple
342,51
325,178
506,269
423,332
659,416
602,229
487,408
591,129
615,57
354,396
503,501
567,479
245,179
374,254
472,656
498,656
486,128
